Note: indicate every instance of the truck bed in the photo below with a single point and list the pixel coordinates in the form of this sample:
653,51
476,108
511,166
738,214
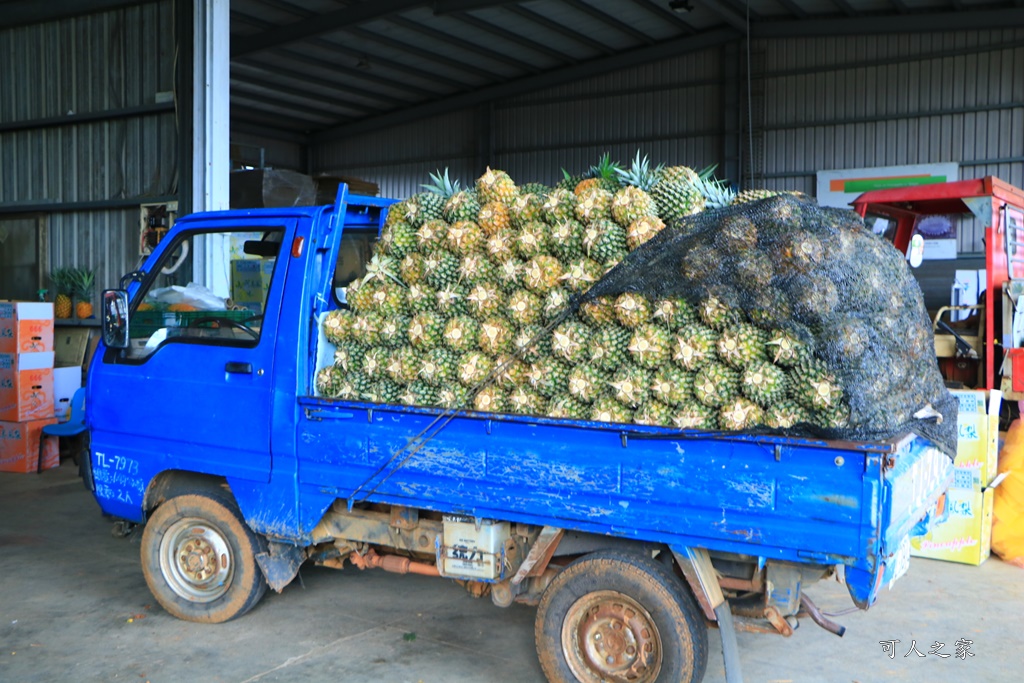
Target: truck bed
800,500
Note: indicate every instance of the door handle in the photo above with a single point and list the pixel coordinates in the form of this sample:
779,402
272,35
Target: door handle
238,368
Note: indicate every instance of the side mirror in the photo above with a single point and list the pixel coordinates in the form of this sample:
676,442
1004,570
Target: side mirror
115,318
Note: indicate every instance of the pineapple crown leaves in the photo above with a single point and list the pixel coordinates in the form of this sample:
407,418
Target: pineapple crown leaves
640,174
605,168
81,280
716,192
441,184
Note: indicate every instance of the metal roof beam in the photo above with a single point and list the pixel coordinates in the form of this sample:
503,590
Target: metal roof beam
451,6
730,17
457,65
513,37
269,132
665,14
609,20
569,33
463,44
344,17
595,67
909,23
846,7
319,101
796,9
35,12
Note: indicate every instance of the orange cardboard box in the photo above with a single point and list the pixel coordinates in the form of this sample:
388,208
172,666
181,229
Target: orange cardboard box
26,326
19,446
26,386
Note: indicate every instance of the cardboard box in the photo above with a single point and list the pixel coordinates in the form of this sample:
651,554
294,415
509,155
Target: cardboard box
962,532
977,450
26,326
69,346
26,386
66,381
19,446
250,280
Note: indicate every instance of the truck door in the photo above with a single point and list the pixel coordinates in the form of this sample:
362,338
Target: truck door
194,389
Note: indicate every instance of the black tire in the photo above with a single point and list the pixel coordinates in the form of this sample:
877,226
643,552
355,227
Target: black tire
600,615
199,558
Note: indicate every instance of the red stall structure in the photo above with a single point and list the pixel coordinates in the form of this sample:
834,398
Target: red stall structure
983,351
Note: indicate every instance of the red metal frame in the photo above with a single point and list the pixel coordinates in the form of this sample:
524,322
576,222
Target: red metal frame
907,204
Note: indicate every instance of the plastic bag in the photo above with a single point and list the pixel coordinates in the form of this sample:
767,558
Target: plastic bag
1008,506
194,295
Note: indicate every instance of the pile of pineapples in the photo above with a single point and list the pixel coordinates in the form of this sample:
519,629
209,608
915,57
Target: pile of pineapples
472,300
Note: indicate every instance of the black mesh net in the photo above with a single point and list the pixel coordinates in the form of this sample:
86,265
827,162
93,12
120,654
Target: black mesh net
837,302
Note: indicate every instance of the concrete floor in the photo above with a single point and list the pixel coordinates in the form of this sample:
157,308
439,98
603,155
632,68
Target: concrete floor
74,607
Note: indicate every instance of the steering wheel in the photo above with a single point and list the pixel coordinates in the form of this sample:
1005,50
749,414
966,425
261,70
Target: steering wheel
221,320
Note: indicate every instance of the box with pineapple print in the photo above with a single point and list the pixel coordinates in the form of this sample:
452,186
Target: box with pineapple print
641,295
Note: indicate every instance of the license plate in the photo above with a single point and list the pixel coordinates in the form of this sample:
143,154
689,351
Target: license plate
900,562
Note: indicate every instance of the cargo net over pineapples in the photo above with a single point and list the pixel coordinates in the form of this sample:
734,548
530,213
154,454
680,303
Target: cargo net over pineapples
652,296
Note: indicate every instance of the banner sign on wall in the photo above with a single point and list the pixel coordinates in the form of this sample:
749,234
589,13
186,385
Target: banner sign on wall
840,188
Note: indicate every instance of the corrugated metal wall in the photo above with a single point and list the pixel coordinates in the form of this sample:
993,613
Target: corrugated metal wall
832,103
670,111
96,63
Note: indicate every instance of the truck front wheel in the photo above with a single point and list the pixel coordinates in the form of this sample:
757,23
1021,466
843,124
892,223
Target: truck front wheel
199,558
617,616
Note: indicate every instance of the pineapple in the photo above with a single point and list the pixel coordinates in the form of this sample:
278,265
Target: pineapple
653,413
464,237
425,331
490,399
594,204
375,362
633,201
813,386
768,308
834,417
510,372
474,367
715,384
524,401
366,329
607,409
632,310
403,365
424,207
737,234
442,268
497,186
609,347
570,342
631,385
431,236
460,333
717,311
524,307
549,377
328,379
672,386
786,349
531,343
694,347
599,311
494,217
532,240
566,238
741,344
786,414
385,391
412,269
716,193
495,335
63,283
603,175
420,393
389,299
755,195
476,268
451,301
539,189
556,303
695,415
453,397
739,415
604,241
581,274
484,299
586,382
800,251
673,314
500,246
649,346
443,187
398,240
559,207
393,331
677,198
763,383
462,206
337,326
814,298
525,209
542,273
439,367
509,275
568,408
642,230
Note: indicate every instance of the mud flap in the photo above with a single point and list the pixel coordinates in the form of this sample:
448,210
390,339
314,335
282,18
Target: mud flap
280,564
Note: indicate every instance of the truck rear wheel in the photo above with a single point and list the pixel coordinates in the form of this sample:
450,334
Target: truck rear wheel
199,558
618,616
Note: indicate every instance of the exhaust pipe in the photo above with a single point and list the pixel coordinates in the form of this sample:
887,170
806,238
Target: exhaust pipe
819,618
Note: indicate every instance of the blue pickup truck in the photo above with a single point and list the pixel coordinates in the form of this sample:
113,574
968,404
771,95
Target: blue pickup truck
206,426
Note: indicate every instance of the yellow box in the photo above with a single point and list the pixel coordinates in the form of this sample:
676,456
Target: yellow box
250,279
26,326
977,450
962,531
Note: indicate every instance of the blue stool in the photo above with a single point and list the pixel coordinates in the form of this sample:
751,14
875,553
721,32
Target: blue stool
73,427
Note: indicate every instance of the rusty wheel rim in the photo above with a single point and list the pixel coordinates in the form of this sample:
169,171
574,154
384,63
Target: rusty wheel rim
609,636
195,560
